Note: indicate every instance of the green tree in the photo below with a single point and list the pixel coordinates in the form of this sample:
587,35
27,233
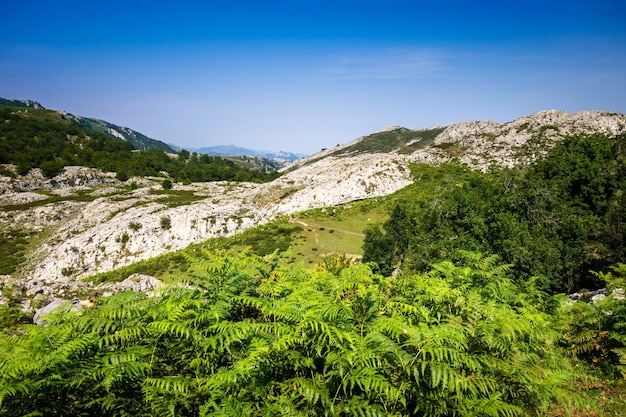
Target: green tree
166,222
51,168
183,154
379,250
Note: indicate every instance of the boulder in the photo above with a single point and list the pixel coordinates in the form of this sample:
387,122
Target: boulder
56,305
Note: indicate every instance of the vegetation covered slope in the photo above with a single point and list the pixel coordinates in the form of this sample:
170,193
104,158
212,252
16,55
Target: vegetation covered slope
393,140
37,139
556,219
139,140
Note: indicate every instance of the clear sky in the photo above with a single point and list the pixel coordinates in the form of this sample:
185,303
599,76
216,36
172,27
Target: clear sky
300,75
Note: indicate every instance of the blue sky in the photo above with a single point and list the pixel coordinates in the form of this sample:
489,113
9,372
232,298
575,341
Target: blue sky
301,75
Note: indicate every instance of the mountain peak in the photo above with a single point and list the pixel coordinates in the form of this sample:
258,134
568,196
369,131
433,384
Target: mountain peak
31,104
390,128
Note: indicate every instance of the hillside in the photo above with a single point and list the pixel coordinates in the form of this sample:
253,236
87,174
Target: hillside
478,144
74,229
138,140
34,138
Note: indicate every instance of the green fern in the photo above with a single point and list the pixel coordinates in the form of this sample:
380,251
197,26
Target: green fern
257,340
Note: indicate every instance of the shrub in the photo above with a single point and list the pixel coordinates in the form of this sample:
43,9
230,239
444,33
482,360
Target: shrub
123,238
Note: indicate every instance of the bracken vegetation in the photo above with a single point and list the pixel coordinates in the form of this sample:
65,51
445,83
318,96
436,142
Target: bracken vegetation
259,339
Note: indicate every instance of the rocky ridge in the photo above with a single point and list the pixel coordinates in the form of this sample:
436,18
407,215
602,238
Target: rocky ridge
116,226
482,143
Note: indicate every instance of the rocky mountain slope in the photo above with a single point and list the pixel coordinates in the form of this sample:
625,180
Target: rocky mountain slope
478,144
87,222
139,140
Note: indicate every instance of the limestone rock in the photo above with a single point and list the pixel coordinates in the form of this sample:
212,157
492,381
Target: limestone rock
135,282
54,306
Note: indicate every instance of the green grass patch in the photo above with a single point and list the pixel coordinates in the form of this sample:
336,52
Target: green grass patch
168,267
261,240
13,246
176,198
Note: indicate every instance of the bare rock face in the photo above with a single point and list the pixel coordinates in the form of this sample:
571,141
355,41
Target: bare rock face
70,177
483,143
332,181
116,227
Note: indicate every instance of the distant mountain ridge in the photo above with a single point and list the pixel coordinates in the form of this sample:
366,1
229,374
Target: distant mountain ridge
21,103
233,150
141,141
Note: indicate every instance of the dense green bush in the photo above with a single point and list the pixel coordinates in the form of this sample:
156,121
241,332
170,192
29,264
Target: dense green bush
596,331
558,218
167,184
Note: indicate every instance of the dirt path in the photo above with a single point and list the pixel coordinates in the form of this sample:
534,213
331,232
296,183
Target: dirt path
318,226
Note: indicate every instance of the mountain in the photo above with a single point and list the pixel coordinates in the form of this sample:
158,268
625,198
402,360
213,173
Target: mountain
85,231
21,103
478,144
139,140
265,161
232,150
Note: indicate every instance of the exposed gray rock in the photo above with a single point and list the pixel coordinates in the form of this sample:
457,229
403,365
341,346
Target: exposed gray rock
135,282
485,143
53,307
594,297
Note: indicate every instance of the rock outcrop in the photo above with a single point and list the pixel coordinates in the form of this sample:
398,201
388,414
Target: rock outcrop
53,307
135,282
483,143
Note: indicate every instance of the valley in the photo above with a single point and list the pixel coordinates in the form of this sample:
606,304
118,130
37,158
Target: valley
405,272
84,221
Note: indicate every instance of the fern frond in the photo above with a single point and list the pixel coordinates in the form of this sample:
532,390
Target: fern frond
125,335
312,391
170,327
171,384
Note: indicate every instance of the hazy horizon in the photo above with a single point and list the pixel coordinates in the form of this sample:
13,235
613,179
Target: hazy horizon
299,76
